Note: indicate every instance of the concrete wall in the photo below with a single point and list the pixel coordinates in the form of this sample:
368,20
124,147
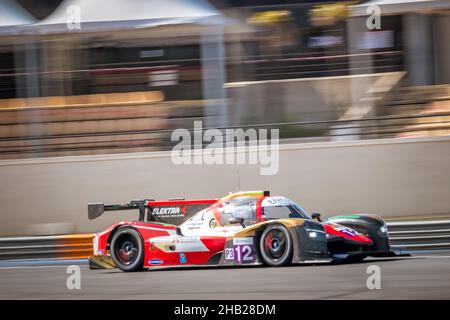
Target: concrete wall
389,177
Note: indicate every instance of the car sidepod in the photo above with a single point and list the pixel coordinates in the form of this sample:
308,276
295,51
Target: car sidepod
312,243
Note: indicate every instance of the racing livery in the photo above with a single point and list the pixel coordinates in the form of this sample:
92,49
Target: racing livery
244,228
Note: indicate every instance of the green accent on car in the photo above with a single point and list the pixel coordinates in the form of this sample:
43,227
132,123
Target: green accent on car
352,216
165,224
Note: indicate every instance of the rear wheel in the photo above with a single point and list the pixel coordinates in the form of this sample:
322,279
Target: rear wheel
127,249
276,245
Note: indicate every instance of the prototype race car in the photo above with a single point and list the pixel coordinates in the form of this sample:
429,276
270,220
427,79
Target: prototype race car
244,228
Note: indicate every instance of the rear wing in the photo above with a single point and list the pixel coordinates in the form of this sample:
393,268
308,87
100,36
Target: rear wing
174,211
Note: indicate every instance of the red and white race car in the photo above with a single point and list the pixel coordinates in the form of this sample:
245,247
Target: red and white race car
244,228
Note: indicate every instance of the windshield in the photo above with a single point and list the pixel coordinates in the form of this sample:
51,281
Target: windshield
280,212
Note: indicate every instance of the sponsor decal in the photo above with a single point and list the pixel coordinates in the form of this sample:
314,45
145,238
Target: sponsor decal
243,241
276,201
179,244
175,239
347,231
229,254
155,261
194,224
183,259
243,250
169,211
212,223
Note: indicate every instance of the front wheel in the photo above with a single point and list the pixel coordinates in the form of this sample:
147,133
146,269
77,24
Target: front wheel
127,249
276,245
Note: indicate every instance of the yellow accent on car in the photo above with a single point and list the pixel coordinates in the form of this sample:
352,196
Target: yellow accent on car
251,230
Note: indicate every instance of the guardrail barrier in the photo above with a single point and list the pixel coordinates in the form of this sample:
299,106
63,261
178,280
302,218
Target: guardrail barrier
76,246
407,236
420,235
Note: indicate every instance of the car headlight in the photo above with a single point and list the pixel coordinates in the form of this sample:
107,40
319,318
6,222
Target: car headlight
383,229
316,234
312,234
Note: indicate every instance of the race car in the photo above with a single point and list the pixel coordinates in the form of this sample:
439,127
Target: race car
243,228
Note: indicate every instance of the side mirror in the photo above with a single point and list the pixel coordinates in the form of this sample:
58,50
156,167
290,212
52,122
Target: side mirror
234,220
316,216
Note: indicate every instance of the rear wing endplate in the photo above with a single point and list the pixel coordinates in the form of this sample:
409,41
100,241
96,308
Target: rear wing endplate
95,210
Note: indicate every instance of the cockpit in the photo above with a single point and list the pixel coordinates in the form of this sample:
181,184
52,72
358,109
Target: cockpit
243,208
241,212
282,208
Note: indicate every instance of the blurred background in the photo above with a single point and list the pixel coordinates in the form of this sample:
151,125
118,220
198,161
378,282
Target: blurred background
97,77
83,77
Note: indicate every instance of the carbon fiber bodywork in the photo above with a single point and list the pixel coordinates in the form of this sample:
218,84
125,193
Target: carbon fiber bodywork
311,243
368,224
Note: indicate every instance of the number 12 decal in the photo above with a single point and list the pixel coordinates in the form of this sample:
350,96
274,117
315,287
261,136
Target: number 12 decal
243,253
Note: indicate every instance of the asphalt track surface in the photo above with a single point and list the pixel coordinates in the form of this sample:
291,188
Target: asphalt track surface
417,277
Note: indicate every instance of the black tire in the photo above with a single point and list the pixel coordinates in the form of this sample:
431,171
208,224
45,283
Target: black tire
127,249
276,245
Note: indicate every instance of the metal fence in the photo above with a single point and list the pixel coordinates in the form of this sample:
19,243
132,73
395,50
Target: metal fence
311,65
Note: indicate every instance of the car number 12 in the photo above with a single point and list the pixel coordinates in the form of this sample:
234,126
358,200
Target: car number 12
243,253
